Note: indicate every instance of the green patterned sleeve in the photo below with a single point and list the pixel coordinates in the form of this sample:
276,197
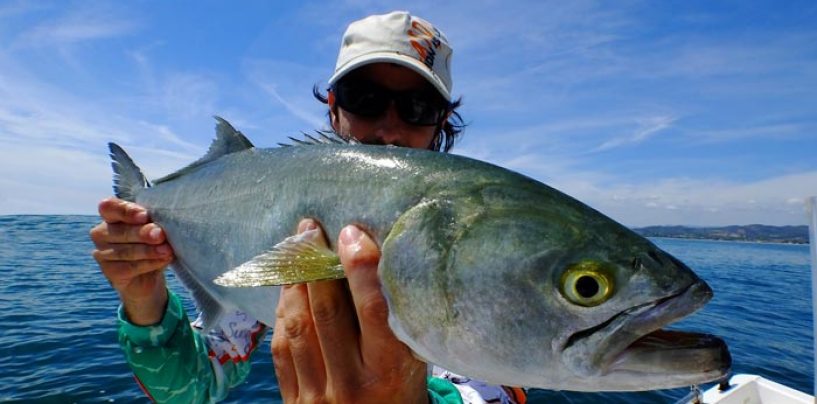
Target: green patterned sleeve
442,391
174,362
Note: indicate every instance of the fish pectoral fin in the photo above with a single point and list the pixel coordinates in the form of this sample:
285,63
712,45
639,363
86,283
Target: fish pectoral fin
297,259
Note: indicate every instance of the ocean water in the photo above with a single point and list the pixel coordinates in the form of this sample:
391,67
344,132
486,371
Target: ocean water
58,331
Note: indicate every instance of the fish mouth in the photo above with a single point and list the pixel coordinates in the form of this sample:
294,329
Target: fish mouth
634,352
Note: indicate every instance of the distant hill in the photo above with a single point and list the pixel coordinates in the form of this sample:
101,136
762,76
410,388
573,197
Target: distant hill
752,232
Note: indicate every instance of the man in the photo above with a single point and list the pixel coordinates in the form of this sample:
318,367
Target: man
392,85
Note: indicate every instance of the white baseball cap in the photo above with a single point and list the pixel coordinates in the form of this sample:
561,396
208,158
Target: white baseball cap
399,38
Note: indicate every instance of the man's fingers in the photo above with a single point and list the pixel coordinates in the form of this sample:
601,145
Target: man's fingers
115,233
337,330
311,224
282,357
113,210
302,340
360,257
121,272
334,320
133,252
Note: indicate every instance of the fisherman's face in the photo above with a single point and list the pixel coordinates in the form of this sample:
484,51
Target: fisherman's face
388,127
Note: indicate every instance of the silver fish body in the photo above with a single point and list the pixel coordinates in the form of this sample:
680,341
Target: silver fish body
487,273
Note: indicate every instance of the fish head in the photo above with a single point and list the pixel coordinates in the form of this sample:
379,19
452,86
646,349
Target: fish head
579,302
619,300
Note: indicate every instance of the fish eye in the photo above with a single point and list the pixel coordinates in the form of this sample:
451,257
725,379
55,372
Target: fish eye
587,283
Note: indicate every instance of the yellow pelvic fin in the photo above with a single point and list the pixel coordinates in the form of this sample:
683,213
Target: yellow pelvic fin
297,259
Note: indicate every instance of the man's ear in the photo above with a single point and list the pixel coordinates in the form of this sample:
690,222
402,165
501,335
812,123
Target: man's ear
333,111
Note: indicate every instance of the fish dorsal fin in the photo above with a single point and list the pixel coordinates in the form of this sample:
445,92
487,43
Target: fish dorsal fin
228,140
297,259
322,137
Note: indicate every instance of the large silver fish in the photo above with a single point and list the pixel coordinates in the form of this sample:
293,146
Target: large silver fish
487,273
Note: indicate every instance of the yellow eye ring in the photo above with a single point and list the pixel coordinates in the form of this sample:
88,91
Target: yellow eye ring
587,284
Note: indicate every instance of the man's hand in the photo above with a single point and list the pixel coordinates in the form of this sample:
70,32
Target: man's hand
132,253
332,342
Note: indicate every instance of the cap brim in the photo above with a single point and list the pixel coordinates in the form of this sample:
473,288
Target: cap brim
396,58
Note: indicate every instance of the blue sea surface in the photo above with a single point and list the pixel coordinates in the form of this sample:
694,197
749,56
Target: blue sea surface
58,340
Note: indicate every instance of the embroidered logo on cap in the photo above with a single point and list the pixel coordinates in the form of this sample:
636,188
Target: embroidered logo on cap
425,40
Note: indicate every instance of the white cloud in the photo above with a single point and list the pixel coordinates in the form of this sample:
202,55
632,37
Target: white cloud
81,25
776,200
188,94
53,157
177,94
647,128
48,179
36,113
297,111
18,7
44,179
776,131
289,84
709,200
166,136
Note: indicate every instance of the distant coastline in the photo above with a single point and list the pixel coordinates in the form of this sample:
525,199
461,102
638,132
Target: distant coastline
751,233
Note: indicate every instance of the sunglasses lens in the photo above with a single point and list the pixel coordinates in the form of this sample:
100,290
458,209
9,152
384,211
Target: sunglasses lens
361,98
366,99
422,108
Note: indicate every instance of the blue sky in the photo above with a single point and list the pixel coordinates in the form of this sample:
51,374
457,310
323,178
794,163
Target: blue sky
694,112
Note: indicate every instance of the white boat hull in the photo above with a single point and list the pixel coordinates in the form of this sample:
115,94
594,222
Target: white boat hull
753,389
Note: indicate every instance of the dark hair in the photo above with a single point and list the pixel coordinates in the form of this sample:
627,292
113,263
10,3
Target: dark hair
444,135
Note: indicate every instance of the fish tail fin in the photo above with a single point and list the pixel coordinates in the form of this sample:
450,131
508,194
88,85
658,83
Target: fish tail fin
127,177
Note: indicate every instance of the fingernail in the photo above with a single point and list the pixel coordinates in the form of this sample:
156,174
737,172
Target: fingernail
163,249
155,233
350,235
309,225
141,216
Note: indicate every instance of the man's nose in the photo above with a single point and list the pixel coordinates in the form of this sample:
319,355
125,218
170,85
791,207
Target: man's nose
390,128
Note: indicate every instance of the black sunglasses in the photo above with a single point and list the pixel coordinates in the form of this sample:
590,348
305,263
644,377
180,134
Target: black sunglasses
423,107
